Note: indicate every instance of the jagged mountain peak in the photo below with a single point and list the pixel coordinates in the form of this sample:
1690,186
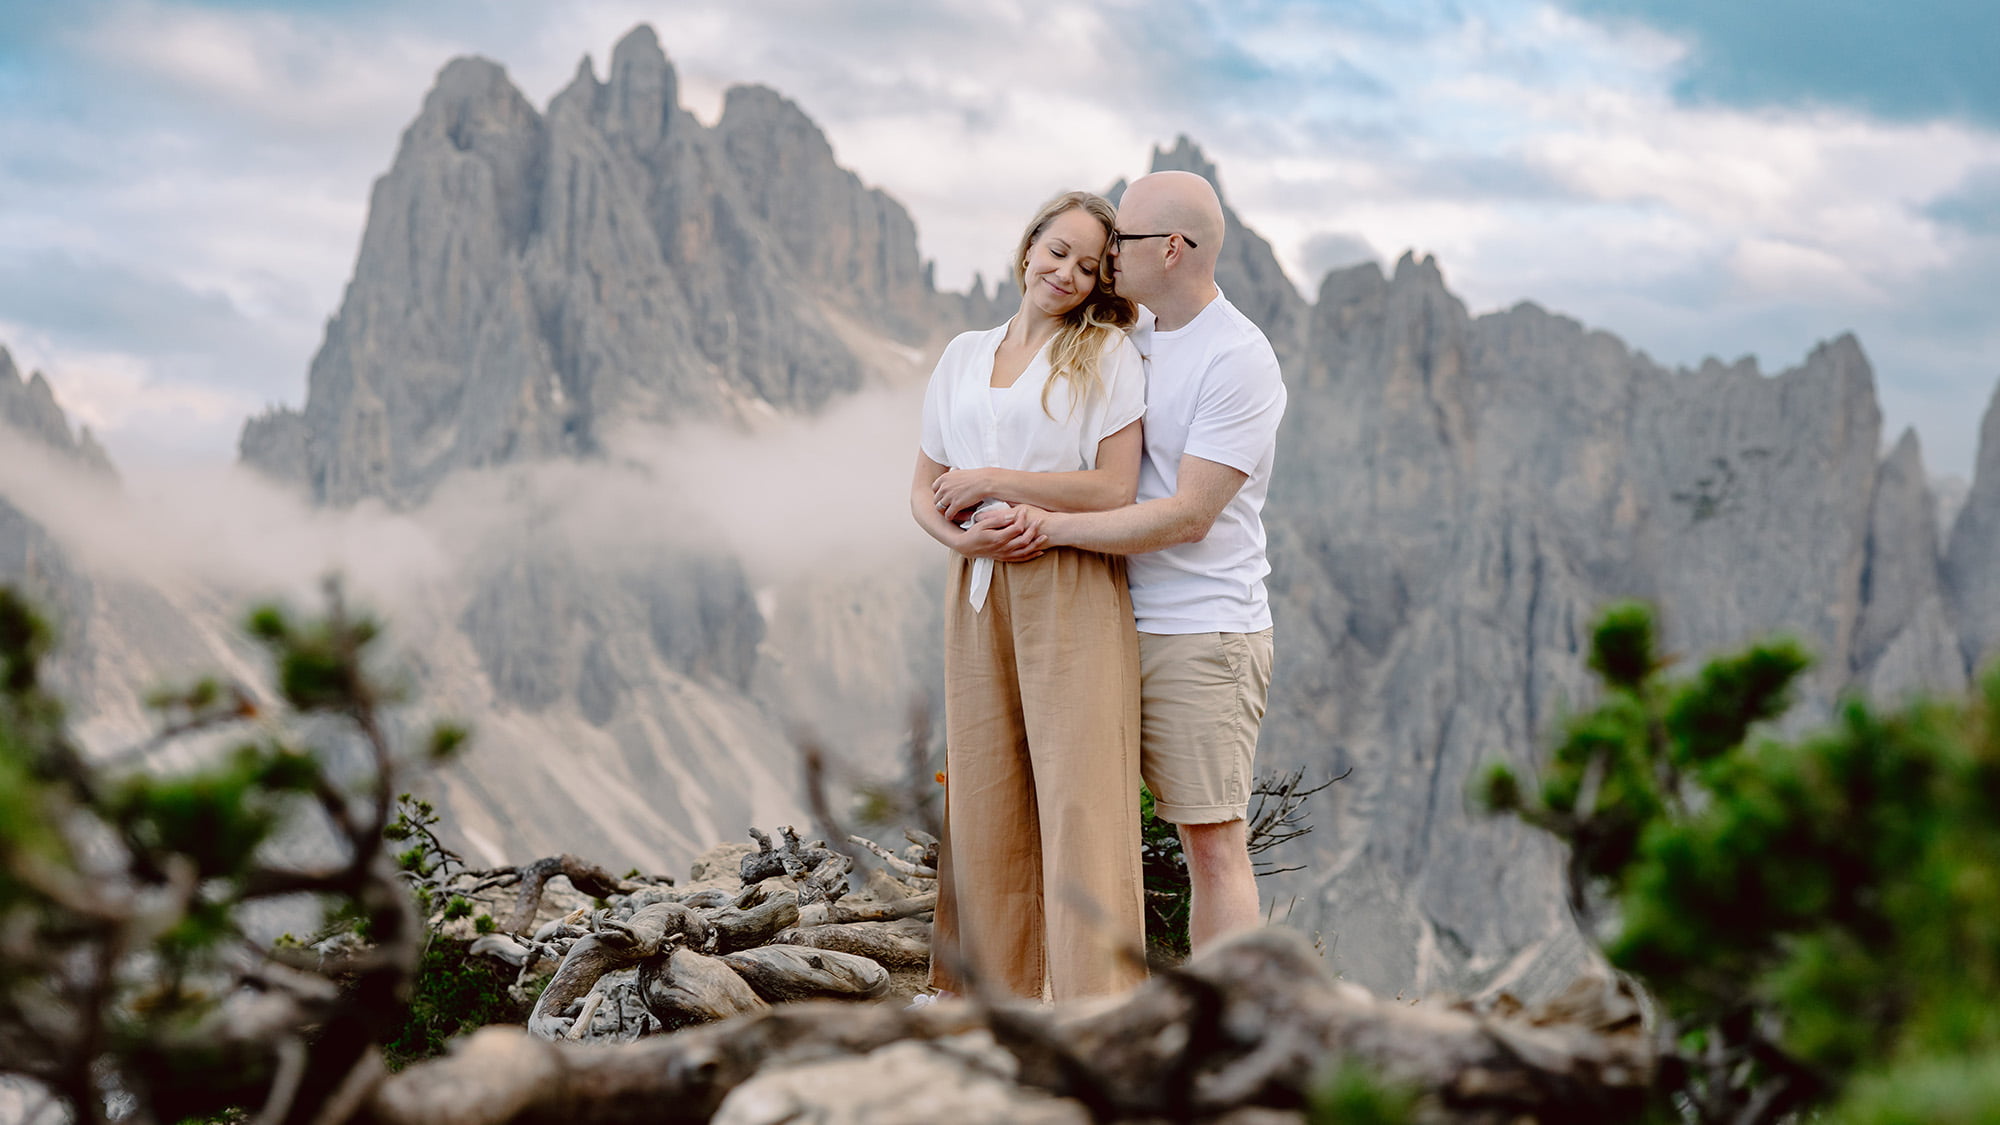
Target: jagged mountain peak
1248,269
472,102
752,105
527,279
1186,156
1908,452
1742,367
1423,272
642,92
640,47
28,405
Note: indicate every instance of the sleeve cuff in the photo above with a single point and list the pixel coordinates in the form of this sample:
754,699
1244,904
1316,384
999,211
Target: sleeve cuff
1235,459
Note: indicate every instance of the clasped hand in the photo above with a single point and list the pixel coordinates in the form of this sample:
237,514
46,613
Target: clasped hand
958,490
1009,536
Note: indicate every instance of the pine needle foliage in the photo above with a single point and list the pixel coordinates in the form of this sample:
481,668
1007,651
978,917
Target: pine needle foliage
128,976
1819,918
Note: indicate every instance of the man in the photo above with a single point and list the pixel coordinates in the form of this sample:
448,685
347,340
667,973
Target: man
1214,396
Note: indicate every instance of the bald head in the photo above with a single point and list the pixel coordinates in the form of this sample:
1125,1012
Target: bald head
1174,277
1175,201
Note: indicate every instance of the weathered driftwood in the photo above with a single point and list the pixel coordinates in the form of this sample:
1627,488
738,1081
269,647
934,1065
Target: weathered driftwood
586,877
737,928
658,922
903,944
506,948
827,882
1253,1022
501,1075
790,858
896,863
784,973
840,913
689,988
618,945
707,900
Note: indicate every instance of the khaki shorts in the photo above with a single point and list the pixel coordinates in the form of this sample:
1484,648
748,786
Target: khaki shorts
1201,702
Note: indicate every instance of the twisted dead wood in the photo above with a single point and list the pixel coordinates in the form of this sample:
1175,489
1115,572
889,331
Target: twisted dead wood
1253,1022
618,945
690,988
585,877
903,944
783,973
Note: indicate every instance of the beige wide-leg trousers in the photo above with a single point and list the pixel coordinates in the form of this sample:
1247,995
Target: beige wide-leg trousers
1038,878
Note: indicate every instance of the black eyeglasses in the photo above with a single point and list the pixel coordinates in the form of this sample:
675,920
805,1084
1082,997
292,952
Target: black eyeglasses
1124,238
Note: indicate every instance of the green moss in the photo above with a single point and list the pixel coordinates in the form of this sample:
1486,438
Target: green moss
454,994
1168,893
1347,1094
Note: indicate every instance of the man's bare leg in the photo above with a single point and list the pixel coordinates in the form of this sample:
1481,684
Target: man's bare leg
1224,886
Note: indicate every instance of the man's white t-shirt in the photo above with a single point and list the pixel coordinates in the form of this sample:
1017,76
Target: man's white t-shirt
1213,390
969,425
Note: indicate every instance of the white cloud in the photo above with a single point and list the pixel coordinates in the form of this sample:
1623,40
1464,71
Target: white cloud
287,70
1538,154
138,417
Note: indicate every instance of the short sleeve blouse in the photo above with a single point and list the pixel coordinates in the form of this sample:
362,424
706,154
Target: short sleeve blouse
968,424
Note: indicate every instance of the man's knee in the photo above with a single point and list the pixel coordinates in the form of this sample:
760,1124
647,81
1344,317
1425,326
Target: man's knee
1215,847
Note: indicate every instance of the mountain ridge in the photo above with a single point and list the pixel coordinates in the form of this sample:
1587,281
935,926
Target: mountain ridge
1457,495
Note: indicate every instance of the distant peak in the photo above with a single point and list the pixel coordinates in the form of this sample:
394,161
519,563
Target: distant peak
759,102
638,54
7,368
641,39
582,91
1844,356
1412,270
643,91
1842,347
1185,156
471,76
1909,449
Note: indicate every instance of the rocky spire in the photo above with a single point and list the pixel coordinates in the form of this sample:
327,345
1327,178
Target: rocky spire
525,280
1248,270
29,407
1972,562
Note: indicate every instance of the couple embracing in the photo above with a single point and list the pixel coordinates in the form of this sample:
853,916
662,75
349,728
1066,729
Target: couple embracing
1099,465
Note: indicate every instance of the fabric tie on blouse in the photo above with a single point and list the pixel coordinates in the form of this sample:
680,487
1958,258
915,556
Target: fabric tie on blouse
982,569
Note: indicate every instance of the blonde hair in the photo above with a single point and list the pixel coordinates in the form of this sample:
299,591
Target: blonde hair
1088,328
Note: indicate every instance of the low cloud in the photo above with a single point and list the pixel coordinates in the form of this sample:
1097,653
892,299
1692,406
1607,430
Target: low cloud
1550,152
792,500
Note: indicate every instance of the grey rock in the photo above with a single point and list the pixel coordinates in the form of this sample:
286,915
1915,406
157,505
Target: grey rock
1972,562
1456,499
1248,270
276,444
525,278
28,406
856,245
967,1079
1901,583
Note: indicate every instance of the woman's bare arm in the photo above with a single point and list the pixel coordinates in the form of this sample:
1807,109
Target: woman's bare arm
1002,545
1112,484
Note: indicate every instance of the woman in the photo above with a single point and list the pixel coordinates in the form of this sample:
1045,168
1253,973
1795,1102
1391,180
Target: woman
1039,881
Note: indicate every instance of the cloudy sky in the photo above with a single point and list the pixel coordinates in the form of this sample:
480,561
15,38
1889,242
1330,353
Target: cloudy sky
183,183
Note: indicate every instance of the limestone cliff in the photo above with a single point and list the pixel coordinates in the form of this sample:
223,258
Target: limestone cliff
526,278
1456,497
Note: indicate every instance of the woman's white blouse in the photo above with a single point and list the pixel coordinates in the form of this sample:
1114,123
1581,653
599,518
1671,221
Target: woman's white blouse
969,425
